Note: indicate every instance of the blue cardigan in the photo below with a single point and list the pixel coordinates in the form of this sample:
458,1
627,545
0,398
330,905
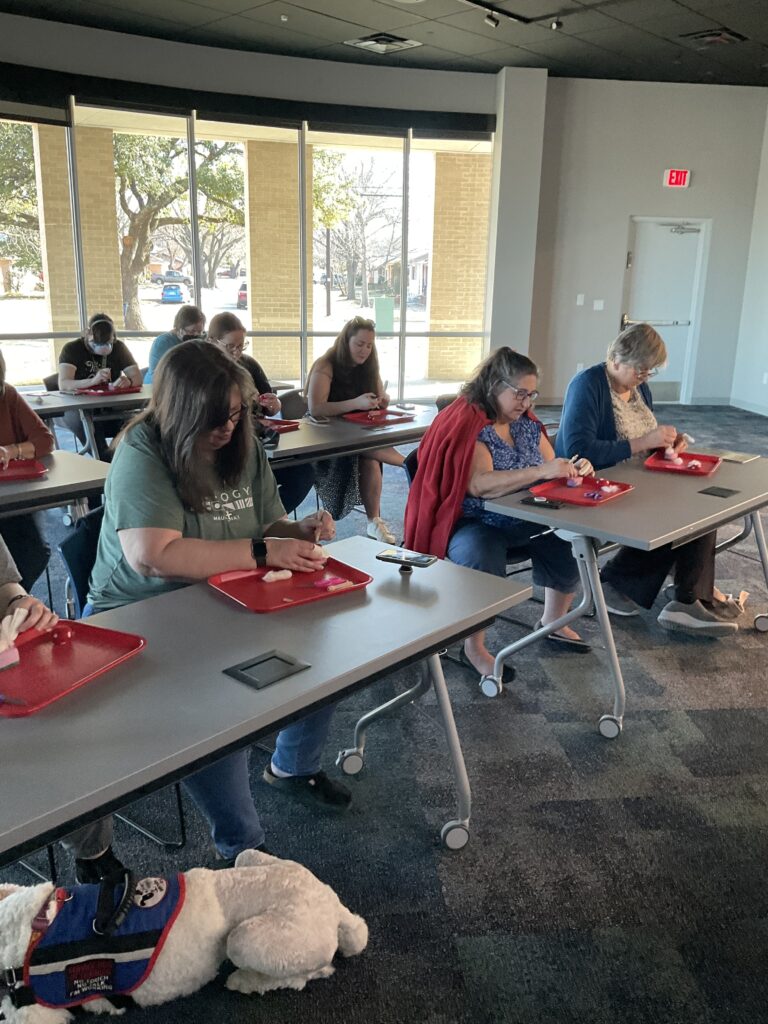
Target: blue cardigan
587,424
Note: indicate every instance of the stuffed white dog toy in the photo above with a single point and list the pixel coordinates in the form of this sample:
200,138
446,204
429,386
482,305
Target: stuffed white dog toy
275,921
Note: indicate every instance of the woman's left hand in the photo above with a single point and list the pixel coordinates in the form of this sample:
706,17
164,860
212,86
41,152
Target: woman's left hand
37,614
384,400
585,468
270,403
318,526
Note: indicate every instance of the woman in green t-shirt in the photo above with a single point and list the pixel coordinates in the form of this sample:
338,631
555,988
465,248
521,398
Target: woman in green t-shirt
190,494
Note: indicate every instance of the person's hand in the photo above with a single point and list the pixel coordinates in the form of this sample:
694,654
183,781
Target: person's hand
318,526
122,382
556,468
37,614
367,401
661,437
584,467
102,376
6,455
681,443
294,554
270,403
384,400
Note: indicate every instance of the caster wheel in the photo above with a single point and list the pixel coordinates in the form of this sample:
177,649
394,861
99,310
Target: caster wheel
490,686
350,761
609,727
761,623
67,519
454,835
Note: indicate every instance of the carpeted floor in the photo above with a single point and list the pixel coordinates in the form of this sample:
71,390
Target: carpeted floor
604,881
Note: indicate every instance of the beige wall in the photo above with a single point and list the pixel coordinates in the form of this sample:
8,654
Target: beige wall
56,231
458,261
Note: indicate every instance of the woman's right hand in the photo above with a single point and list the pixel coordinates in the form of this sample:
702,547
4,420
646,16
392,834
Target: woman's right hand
367,401
37,614
294,554
556,468
5,456
102,376
661,437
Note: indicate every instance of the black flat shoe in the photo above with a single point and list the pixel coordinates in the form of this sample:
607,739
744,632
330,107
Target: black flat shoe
566,643
507,673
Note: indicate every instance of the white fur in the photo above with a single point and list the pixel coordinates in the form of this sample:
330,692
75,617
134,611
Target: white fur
275,921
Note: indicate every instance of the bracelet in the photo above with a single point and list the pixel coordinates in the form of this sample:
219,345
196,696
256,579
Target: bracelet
16,597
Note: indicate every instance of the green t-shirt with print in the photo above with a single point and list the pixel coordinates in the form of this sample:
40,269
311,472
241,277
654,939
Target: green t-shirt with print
140,493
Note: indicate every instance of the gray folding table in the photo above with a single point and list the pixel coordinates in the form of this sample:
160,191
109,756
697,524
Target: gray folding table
312,442
71,480
171,709
89,407
664,508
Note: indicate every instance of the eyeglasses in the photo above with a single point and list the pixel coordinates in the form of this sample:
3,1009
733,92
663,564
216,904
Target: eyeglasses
234,350
233,418
645,374
520,393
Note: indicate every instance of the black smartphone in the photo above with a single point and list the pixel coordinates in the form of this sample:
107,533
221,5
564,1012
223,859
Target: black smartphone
539,502
402,557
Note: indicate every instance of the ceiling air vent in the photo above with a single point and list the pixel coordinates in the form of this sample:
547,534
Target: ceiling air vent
382,42
714,37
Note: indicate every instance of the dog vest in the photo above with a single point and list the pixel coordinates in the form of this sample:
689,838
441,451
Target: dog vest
68,962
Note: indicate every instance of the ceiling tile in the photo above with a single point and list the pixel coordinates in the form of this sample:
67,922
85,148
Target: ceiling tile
370,13
635,11
429,9
515,57
299,19
446,37
236,30
629,41
224,7
423,56
506,34
177,11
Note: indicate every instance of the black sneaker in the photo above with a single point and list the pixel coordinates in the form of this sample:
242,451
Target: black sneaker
312,790
222,863
106,865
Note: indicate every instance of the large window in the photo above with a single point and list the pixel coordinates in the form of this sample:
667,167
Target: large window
294,257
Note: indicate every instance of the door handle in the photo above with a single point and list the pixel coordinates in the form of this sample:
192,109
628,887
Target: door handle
626,322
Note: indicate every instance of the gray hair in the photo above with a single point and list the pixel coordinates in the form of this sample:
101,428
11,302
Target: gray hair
639,346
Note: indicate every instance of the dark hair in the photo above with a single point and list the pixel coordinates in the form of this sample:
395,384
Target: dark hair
223,323
186,316
502,365
338,355
191,396
102,327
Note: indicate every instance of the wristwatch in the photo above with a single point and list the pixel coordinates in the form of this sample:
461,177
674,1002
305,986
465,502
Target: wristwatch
259,552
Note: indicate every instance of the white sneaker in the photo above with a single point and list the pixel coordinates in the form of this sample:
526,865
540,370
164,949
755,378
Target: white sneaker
379,530
694,619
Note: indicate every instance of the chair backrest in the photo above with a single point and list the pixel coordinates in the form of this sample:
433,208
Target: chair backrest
443,401
294,404
51,382
78,551
411,464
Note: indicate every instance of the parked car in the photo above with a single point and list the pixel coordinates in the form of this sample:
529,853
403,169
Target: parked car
171,277
242,296
174,293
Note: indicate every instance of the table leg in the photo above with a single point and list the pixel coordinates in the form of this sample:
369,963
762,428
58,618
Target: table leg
352,760
455,833
87,420
762,548
78,509
585,550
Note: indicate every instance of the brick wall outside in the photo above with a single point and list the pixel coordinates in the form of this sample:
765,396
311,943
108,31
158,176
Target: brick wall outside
272,236
459,255
98,218
56,231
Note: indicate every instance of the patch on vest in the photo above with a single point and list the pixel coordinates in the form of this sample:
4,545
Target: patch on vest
68,963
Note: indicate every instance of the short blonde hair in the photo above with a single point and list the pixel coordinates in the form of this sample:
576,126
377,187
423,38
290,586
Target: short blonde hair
639,346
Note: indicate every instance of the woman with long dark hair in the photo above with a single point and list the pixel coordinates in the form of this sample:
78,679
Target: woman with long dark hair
191,494
346,379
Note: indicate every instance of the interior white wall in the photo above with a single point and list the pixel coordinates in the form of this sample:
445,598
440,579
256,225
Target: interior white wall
517,152
606,145
750,390
104,54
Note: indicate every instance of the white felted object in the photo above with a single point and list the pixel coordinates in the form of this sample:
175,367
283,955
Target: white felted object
275,575
10,628
277,923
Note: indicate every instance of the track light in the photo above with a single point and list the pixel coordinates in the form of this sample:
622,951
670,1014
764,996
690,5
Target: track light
555,24
492,20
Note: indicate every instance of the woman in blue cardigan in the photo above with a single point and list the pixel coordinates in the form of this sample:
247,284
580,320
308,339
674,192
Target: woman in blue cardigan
607,418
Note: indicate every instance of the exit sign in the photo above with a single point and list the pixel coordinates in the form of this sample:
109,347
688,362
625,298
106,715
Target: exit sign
676,177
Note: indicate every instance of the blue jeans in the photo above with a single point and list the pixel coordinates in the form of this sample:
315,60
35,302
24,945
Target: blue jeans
222,790
478,545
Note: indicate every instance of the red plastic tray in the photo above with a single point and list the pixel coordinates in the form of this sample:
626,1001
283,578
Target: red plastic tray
58,661
100,390
25,469
659,464
280,426
378,417
558,490
246,587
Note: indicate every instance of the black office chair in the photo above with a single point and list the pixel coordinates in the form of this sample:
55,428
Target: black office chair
78,552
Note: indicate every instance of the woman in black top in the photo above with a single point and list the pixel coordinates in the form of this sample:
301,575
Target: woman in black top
228,333
346,379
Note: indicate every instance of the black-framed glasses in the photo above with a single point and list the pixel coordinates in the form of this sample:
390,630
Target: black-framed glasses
233,418
520,393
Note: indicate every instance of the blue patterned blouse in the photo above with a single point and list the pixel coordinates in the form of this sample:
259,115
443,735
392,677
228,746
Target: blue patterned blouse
524,452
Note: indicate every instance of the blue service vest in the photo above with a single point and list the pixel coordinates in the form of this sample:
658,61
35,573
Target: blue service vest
68,963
